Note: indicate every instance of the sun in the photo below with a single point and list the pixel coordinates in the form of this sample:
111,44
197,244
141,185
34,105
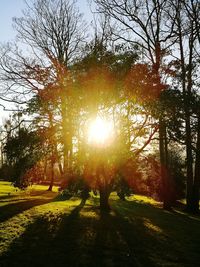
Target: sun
100,131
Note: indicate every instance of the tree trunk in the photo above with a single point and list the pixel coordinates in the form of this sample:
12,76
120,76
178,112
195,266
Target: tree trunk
60,168
70,148
2,156
187,80
196,185
187,104
104,189
163,147
45,168
64,136
52,174
104,197
67,138
189,164
166,188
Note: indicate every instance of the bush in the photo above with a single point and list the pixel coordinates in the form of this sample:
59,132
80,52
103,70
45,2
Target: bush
6,172
74,186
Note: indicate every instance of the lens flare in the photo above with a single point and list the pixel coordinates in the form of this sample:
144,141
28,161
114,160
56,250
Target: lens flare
100,132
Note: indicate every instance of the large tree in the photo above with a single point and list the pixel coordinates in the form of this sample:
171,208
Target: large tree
145,23
183,17
53,32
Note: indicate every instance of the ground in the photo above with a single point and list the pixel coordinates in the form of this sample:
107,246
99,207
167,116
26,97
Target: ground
37,228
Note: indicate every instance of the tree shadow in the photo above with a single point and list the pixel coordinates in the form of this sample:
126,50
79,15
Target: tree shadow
32,193
170,236
118,244
14,199
7,197
48,241
10,210
84,238
131,235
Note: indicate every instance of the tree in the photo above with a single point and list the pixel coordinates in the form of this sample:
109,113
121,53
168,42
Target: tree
144,23
183,17
53,31
23,150
111,90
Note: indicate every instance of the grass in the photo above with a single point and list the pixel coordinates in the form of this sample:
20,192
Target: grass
38,229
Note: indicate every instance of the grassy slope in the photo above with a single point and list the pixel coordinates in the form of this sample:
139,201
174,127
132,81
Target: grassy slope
38,229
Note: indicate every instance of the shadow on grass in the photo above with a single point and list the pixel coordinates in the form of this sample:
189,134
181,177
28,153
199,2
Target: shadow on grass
84,238
117,243
10,210
172,238
131,235
12,195
13,200
7,197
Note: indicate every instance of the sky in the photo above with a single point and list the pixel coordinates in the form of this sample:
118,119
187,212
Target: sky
13,8
8,9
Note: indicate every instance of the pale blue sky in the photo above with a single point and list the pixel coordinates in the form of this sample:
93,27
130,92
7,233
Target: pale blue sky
8,9
12,8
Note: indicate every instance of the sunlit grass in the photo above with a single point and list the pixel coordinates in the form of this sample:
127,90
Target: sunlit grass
30,204
6,189
144,199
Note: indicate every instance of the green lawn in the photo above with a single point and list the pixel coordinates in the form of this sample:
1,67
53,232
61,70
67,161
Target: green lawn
39,229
